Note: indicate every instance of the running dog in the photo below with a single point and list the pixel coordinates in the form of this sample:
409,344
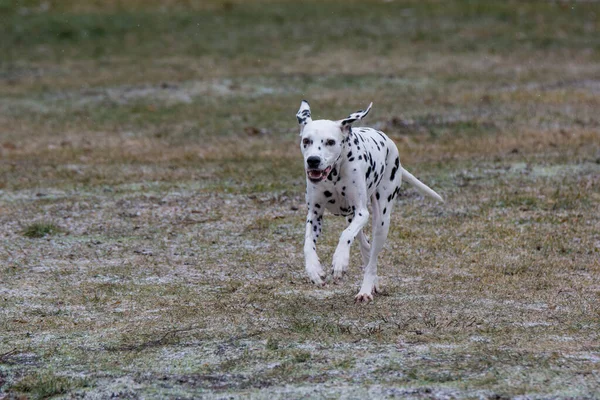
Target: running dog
346,170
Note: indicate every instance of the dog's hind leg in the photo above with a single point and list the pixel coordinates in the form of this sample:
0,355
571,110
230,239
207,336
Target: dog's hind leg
381,226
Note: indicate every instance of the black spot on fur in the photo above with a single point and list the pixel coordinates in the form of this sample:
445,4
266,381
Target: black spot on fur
303,116
376,196
396,165
318,205
332,201
327,193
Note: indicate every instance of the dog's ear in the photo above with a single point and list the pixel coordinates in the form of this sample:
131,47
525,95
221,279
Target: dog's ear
360,114
303,114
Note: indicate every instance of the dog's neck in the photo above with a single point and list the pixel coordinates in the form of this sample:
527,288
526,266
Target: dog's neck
340,160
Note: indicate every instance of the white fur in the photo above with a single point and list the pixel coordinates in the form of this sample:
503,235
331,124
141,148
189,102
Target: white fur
348,169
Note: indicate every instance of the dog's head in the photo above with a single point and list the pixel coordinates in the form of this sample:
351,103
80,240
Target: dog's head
322,141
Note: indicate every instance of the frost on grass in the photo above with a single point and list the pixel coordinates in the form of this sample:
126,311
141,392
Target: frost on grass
178,189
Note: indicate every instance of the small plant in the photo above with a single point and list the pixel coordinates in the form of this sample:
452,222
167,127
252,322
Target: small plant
302,356
41,229
41,385
346,363
272,344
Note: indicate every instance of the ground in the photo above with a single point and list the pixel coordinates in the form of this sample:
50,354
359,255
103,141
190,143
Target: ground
152,211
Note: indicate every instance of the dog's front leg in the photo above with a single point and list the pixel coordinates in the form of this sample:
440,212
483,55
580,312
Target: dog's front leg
313,230
365,247
341,257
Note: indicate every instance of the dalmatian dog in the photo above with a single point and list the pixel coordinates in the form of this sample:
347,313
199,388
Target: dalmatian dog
347,169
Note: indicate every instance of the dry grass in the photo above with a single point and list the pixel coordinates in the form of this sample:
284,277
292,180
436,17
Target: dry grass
176,181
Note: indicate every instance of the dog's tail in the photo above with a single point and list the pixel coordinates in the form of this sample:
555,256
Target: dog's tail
420,186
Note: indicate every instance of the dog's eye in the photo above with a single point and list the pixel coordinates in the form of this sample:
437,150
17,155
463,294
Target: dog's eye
330,142
305,141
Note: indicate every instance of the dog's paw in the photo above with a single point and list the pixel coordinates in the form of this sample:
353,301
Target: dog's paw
316,275
337,274
367,290
340,262
363,298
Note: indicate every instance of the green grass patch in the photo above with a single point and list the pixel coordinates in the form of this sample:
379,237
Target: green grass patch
43,385
41,229
241,30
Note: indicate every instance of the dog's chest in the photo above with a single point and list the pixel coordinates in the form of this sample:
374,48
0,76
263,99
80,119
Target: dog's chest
365,156
336,199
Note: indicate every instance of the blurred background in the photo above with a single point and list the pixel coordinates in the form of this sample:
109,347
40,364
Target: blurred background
166,80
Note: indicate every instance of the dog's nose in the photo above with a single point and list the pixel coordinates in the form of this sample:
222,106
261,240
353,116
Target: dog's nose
313,161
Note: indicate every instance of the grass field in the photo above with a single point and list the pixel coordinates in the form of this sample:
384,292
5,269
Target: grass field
152,211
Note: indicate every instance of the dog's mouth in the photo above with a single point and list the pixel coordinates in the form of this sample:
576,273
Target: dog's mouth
317,175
